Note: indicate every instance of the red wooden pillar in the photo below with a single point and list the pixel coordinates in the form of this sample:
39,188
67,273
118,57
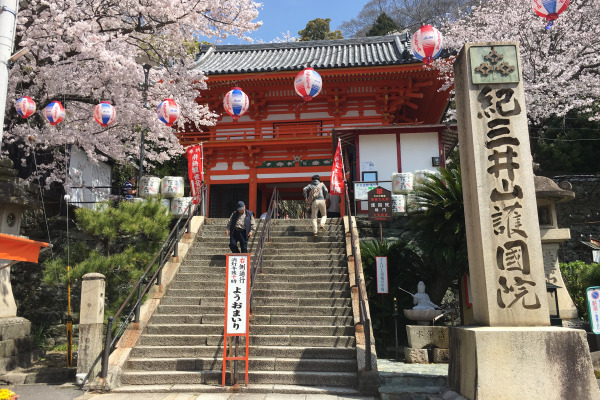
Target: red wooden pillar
253,190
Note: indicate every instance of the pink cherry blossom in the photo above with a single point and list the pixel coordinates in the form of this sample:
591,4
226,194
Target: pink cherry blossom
84,52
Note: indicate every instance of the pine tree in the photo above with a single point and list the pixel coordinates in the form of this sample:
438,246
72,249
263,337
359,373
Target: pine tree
383,25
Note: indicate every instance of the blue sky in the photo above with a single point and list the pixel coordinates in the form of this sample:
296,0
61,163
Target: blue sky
279,16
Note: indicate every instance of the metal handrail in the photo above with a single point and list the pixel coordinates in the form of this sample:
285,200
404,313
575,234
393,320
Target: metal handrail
169,247
265,236
362,307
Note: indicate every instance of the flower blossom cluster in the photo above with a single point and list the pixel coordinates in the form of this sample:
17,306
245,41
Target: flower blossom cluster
86,51
560,66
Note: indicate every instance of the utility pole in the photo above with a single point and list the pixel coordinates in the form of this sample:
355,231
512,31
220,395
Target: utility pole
8,26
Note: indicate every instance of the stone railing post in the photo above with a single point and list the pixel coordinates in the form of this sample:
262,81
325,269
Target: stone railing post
90,324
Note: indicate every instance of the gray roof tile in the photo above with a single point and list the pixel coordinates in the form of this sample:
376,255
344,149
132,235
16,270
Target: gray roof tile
321,54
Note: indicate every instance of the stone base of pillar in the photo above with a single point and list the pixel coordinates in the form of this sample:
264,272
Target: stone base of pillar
547,363
416,356
17,345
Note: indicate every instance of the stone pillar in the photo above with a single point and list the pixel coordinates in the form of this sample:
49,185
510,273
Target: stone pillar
91,320
513,353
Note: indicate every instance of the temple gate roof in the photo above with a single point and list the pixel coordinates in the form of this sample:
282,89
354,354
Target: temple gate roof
291,56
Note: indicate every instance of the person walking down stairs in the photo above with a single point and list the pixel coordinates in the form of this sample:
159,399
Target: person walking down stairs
239,228
315,194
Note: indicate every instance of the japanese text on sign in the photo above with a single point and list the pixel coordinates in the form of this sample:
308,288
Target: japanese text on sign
236,311
380,204
195,168
515,287
382,274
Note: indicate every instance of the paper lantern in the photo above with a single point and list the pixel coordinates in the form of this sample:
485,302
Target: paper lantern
236,103
308,84
25,106
426,43
549,9
104,113
168,111
54,113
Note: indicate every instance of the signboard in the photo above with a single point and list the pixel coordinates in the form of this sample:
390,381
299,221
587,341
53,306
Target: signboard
380,204
195,169
236,300
593,299
361,190
382,274
237,286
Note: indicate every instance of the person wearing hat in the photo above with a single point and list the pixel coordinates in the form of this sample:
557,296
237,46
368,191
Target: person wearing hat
315,194
239,228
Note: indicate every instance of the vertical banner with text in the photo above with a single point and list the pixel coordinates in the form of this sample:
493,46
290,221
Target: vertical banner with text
237,309
336,185
382,275
195,169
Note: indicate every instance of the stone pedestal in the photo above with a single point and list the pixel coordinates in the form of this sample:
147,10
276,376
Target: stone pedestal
17,346
91,320
422,339
549,363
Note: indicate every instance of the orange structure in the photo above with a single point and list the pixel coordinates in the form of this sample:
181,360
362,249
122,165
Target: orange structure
282,140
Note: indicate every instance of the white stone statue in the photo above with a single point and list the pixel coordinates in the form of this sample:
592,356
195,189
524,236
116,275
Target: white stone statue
421,299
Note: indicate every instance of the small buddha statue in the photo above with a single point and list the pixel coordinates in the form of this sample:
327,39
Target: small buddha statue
421,299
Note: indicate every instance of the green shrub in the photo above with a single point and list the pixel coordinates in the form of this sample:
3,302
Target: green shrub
578,276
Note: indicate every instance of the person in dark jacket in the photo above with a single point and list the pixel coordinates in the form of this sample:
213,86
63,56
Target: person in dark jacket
239,228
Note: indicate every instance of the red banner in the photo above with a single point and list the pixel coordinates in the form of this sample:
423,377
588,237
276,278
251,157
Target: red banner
336,185
195,169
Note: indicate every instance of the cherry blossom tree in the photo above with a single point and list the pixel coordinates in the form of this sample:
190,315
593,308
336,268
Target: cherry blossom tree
86,51
561,66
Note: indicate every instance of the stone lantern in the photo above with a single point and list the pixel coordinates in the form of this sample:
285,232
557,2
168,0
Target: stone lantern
548,194
17,346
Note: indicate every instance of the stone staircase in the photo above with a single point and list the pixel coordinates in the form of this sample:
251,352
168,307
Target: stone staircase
302,337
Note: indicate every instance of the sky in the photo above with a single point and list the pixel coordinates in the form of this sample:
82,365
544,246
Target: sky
279,16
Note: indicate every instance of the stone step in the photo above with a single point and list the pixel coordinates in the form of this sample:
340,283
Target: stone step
337,320
264,277
409,392
298,263
280,270
198,329
299,257
341,341
276,251
408,379
261,293
258,301
307,225
265,286
257,310
214,377
275,243
256,364
255,351
223,392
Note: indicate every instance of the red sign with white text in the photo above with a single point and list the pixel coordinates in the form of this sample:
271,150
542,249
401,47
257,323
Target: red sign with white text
195,169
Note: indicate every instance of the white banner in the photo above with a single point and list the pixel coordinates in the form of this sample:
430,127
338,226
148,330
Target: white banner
236,297
382,275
